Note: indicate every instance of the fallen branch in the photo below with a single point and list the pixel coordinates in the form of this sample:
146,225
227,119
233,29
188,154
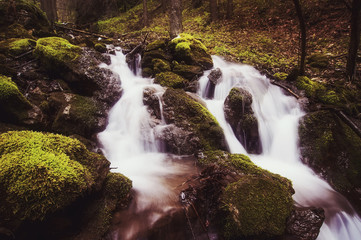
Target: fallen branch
200,220
349,122
24,54
285,88
81,31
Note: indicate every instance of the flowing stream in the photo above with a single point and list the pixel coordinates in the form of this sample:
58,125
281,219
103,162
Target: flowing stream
130,145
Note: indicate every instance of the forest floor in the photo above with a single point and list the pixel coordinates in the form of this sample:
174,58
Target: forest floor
265,36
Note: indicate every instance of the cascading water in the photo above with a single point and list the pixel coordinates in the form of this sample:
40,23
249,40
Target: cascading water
278,116
129,144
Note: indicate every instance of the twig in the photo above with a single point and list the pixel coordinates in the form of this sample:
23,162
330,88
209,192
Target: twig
23,65
189,222
200,220
349,122
285,88
24,54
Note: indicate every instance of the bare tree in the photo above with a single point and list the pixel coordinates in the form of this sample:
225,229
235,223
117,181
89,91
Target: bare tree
229,9
213,9
175,18
354,39
145,13
303,36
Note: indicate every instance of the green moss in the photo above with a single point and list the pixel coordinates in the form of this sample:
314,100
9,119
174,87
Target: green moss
169,79
192,116
280,76
187,41
256,206
40,173
160,65
187,71
183,47
117,186
332,148
56,52
312,88
157,44
13,104
330,97
15,31
20,46
79,116
100,47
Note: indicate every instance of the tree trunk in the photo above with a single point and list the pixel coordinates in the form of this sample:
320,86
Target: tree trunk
164,5
229,9
175,18
49,7
213,10
354,39
145,13
303,36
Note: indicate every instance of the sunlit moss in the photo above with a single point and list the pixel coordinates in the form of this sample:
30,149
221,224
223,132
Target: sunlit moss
40,173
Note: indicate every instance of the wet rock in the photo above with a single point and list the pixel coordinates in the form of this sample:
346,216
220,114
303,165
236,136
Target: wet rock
151,99
305,223
332,149
190,72
214,77
190,116
239,114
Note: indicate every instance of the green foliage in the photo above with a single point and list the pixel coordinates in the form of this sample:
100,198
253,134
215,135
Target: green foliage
56,52
318,60
170,79
280,76
40,173
256,206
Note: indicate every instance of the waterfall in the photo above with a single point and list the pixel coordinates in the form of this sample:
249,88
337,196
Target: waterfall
278,116
129,144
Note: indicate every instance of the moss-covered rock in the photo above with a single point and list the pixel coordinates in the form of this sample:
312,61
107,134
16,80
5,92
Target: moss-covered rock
192,117
76,114
238,112
26,14
15,30
256,207
16,46
100,47
13,105
331,148
41,173
170,79
190,72
56,54
160,65
191,50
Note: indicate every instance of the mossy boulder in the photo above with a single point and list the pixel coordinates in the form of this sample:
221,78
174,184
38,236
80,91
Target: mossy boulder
190,72
238,112
190,50
170,79
41,173
317,91
333,149
240,199
100,47
13,105
76,114
16,46
56,54
160,65
26,14
203,130
256,207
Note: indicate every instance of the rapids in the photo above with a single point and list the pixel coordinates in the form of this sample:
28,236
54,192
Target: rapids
130,144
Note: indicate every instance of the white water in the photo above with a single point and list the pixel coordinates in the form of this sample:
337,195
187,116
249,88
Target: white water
129,144
278,116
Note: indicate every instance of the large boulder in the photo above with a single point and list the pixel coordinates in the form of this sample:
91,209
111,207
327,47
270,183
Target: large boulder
41,173
193,118
79,68
333,150
25,14
239,114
